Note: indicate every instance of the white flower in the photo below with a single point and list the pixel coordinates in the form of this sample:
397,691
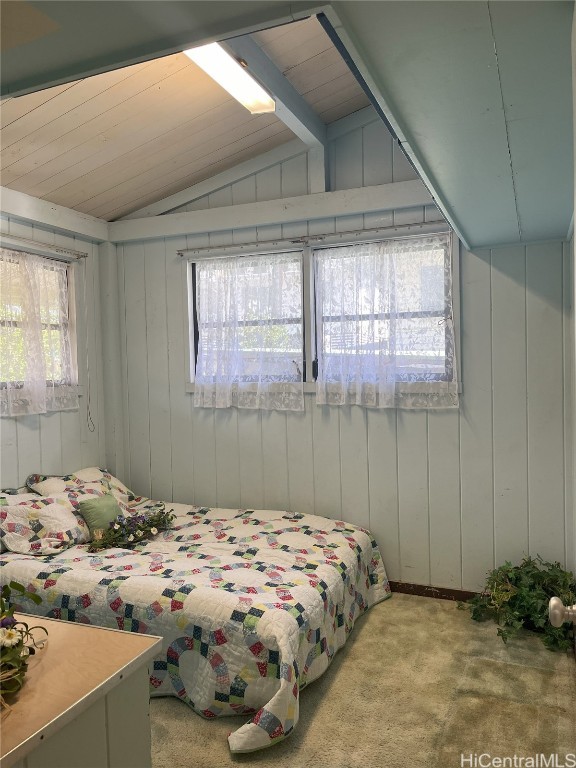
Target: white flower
139,533
9,637
116,527
130,538
154,531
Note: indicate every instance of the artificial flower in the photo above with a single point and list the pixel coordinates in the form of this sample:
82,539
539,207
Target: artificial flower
131,529
9,637
17,640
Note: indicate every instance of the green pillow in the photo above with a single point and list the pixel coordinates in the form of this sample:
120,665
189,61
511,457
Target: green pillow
99,511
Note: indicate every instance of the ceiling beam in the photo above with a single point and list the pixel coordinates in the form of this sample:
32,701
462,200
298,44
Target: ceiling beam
31,209
291,108
341,26
402,194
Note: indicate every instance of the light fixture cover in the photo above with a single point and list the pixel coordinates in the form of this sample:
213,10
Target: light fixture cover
228,73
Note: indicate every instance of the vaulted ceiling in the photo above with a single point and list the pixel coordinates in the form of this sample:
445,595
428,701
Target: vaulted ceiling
115,142
479,94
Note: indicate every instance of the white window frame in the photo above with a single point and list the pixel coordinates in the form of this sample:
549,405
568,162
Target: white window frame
308,244
71,258
195,329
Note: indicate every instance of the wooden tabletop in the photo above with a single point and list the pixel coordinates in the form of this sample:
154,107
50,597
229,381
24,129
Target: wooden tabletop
79,664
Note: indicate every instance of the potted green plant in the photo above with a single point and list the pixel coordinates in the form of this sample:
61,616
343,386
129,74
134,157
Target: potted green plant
516,597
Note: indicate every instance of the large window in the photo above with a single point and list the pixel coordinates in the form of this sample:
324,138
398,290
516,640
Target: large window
37,360
380,329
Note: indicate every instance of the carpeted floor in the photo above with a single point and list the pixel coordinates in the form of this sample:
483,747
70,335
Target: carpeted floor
418,685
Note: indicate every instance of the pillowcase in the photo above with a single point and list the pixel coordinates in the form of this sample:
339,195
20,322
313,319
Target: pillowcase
76,497
90,479
100,511
37,529
70,502
111,483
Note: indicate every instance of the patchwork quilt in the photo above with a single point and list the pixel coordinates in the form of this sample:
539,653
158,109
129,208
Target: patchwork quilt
252,605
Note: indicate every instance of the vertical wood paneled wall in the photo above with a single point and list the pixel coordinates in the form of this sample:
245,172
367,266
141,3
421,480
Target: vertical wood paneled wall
448,495
61,442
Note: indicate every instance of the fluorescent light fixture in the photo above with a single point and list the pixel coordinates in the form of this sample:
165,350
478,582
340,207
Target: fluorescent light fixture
228,73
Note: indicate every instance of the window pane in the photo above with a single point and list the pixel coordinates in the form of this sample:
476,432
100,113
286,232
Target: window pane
52,345
51,280
34,300
250,318
383,307
13,358
11,292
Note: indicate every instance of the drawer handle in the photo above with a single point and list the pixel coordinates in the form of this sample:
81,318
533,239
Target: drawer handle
558,613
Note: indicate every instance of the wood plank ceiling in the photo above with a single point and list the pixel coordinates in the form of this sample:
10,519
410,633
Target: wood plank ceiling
113,143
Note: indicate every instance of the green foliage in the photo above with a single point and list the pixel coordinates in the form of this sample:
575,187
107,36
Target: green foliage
127,531
271,338
17,641
516,597
6,603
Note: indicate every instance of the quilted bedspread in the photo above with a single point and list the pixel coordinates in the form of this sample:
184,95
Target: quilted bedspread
252,605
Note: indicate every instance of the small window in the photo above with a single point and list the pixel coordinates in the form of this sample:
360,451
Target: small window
37,360
248,331
385,334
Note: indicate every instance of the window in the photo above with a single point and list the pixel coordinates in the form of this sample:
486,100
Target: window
380,331
37,362
385,335
248,330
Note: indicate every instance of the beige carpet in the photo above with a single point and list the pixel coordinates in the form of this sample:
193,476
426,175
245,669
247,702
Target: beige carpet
417,684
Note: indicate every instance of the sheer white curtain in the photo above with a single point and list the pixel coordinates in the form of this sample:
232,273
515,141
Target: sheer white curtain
36,363
384,319
249,322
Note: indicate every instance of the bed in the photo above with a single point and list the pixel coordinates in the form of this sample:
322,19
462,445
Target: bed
252,605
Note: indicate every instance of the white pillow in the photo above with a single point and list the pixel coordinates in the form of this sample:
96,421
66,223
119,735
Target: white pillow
50,486
89,479
89,474
116,487
39,529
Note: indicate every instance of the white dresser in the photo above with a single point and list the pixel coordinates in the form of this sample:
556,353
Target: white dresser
85,702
